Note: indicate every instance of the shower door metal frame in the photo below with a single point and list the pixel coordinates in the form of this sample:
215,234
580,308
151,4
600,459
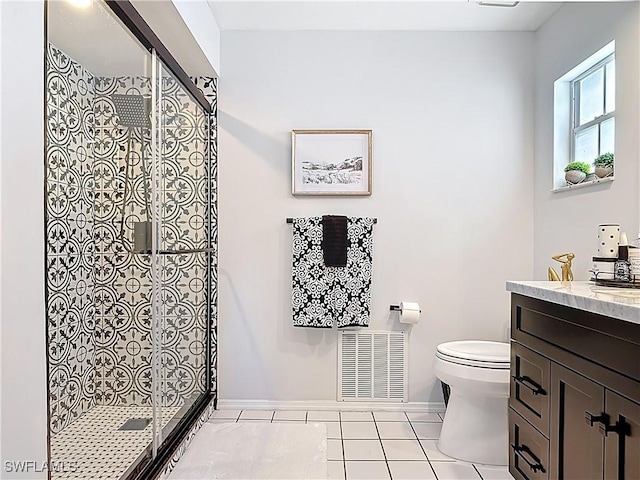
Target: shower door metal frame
128,15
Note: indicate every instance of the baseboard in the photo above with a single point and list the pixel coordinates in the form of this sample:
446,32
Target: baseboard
231,404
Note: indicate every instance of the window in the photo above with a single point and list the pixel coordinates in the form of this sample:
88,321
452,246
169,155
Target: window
593,107
584,117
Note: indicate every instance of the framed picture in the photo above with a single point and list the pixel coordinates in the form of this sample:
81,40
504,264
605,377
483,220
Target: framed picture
331,162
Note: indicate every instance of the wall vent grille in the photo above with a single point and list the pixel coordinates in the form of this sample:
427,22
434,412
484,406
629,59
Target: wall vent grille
372,366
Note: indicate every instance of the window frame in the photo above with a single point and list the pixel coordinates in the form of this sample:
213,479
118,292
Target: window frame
575,104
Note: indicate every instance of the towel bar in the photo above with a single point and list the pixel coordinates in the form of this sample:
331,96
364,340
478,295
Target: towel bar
290,220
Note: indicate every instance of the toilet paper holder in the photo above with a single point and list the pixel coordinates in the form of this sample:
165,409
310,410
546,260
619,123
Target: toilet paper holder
396,308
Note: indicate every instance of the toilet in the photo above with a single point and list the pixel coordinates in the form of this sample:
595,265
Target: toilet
475,427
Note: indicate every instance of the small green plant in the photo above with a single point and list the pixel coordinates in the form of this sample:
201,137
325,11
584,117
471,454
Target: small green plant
604,160
583,167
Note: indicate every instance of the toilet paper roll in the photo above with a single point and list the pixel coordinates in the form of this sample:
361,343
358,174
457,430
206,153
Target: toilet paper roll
409,312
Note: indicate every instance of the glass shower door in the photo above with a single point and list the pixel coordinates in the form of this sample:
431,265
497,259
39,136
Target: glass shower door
99,275
181,215
127,218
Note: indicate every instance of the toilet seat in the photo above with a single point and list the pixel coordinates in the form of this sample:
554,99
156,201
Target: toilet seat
474,353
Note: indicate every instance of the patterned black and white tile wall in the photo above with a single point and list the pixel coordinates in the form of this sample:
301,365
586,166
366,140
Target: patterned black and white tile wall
124,343
209,87
70,247
115,285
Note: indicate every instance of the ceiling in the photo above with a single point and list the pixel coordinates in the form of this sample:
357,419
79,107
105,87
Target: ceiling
95,37
452,15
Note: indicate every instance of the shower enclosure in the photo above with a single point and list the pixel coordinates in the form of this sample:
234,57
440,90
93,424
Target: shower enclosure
131,235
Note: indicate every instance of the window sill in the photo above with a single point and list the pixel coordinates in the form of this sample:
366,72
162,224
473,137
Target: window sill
587,183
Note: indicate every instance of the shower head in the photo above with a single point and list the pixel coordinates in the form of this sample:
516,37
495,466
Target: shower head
132,110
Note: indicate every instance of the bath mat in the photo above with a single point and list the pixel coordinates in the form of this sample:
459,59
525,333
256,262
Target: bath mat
255,451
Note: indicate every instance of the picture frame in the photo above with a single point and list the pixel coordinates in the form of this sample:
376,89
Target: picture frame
331,162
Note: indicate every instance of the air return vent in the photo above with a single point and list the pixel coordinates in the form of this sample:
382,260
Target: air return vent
372,366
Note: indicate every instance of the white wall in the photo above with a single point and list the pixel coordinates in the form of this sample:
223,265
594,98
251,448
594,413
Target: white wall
567,221
451,115
24,381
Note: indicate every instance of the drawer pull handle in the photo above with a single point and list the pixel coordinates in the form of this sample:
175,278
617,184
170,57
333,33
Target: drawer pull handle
530,384
603,419
534,464
623,429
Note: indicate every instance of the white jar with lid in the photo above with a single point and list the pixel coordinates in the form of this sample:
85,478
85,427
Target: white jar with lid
634,260
603,268
608,240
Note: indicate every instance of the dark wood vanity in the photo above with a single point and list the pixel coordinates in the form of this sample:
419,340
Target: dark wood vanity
574,406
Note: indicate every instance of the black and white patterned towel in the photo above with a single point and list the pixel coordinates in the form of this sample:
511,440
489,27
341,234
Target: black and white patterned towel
322,294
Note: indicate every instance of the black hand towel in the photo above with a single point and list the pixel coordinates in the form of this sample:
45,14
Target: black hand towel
334,240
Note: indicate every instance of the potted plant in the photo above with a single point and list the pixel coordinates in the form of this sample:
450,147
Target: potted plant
576,172
604,165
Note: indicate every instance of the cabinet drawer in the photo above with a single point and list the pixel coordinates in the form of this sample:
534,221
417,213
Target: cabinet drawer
607,341
528,450
530,374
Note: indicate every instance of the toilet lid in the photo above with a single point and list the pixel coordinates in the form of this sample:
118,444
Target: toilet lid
476,353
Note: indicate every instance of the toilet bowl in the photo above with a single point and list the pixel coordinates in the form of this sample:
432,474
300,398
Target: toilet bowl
475,427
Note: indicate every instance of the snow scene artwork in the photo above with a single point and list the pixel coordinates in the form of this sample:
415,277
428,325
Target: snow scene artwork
331,162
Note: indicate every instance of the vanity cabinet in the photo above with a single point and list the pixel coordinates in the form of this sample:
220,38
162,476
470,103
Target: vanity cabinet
574,406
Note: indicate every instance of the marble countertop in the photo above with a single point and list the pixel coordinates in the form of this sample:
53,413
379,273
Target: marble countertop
620,303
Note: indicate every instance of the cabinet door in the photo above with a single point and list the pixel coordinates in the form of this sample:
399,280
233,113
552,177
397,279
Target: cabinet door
577,447
622,460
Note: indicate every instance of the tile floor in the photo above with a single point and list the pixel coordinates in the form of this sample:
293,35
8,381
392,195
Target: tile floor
378,445
92,447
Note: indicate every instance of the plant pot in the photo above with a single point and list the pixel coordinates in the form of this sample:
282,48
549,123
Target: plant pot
602,172
574,176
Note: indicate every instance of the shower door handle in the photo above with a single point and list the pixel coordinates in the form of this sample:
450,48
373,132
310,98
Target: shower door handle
186,250
176,252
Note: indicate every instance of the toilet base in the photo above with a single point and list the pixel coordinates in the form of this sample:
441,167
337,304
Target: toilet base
476,429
